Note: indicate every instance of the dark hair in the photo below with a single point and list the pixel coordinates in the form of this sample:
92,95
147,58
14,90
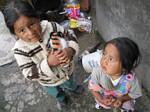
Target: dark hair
50,9
129,52
14,9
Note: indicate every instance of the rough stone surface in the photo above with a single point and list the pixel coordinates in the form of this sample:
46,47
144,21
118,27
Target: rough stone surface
6,43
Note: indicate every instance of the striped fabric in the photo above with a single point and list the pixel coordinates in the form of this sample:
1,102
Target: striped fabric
32,57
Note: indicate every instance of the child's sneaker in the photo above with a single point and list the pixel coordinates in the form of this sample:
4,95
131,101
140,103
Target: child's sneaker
97,106
101,106
62,104
123,110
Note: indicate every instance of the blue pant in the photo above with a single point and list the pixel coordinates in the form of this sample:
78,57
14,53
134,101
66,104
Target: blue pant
57,91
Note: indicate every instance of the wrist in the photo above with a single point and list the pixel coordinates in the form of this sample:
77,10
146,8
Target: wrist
74,46
49,63
71,52
124,98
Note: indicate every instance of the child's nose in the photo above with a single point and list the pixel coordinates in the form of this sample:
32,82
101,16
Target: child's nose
29,31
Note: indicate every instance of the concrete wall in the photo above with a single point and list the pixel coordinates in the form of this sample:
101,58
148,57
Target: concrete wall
127,18
7,41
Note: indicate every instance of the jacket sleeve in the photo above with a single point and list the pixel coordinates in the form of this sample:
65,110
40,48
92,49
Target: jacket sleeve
31,70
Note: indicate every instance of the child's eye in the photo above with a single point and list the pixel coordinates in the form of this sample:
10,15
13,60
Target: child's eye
22,30
110,59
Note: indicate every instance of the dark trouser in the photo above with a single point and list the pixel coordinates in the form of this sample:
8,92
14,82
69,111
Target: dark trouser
57,91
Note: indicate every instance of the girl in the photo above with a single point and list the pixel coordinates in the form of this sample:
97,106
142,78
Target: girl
113,83
34,53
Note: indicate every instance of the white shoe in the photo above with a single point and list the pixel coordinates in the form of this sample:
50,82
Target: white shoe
59,106
97,106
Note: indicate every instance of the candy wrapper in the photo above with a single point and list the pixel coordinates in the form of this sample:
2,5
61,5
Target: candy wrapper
84,24
77,19
72,9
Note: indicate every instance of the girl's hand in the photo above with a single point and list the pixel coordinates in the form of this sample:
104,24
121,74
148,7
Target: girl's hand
120,100
117,103
53,60
108,100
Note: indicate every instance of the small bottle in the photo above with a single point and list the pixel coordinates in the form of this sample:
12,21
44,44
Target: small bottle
58,43
84,24
62,44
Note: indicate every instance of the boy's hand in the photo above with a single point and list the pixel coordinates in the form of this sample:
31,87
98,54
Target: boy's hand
62,56
55,42
69,52
65,55
53,60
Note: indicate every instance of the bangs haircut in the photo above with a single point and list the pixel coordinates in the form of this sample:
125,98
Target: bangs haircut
129,52
16,8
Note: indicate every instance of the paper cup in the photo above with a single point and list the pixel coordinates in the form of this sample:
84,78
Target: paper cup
91,61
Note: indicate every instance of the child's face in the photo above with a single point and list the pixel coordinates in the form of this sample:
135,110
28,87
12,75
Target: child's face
28,29
110,61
